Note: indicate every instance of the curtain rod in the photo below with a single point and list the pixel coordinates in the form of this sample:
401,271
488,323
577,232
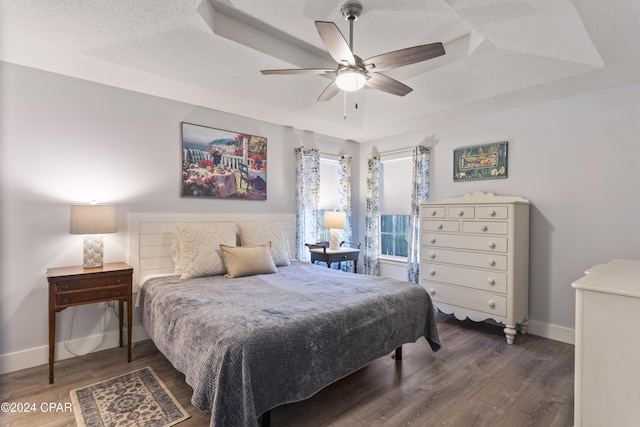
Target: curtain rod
396,151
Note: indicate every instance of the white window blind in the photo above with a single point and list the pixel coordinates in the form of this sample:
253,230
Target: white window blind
328,184
395,185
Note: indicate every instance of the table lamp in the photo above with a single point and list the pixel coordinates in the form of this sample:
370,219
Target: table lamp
93,221
335,221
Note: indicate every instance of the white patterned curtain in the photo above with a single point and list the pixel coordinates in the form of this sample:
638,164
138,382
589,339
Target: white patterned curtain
419,194
344,198
307,199
372,216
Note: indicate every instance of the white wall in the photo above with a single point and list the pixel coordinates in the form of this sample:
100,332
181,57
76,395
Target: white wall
576,160
64,141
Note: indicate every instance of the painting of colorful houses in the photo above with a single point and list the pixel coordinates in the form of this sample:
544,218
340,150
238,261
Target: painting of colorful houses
223,164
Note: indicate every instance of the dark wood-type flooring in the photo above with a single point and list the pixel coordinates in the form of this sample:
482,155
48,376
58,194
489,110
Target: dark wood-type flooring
476,379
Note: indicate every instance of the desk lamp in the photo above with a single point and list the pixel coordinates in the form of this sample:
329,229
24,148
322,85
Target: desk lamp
335,221
93,221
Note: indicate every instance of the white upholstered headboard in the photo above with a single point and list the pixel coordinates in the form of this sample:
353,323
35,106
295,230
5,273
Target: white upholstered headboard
150,235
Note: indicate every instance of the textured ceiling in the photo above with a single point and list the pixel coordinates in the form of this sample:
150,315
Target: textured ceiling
500,54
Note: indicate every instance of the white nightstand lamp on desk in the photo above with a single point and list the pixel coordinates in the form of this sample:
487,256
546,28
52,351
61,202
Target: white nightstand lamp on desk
335,221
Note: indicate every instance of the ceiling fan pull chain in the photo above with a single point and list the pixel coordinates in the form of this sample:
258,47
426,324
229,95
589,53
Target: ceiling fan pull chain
345,105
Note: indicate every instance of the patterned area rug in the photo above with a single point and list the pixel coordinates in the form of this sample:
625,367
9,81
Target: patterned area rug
138,398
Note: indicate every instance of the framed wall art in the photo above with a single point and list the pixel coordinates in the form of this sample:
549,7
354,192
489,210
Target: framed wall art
223,164
478,162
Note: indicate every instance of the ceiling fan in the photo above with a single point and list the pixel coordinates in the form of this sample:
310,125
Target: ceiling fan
352,72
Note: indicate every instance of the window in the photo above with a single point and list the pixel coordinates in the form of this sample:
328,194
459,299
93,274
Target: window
395,200
394,235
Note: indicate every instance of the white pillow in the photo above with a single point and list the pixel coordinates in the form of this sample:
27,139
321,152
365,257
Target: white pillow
174,251
259,233
248,260
200,248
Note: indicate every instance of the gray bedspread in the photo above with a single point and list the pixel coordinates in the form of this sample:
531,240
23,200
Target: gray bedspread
247,345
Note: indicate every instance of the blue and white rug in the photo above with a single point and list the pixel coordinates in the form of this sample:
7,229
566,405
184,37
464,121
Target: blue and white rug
138,398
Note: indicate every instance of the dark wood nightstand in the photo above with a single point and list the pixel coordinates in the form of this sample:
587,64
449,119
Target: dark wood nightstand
321,252
70,286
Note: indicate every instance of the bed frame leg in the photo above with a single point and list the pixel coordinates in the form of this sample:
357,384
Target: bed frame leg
398,355
266,419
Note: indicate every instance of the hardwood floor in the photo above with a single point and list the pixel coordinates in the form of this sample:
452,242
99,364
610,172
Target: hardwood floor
476,379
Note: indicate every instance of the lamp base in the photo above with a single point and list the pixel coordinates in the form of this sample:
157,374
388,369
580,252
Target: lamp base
93,254
334,239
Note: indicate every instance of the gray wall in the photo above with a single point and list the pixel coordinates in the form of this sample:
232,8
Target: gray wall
65,141
576,160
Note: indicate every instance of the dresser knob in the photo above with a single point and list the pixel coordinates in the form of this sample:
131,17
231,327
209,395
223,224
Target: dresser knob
492,213
432,255
433,240
492,262
492,304
439,226
491,281
492,245
432,272
432,291
460,213
433,213
485,228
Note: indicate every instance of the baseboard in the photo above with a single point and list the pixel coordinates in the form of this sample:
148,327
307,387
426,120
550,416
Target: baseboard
40,355
552,332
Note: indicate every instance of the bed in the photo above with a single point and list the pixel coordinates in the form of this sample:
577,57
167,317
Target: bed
276,331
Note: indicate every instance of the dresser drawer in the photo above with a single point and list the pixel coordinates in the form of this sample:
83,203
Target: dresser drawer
459,241
470,259
434,212
475,300
485,227
450,226
461,212
93,282
94,295
492,212
487,280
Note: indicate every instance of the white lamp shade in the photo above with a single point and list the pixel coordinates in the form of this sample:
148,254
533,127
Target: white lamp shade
336,220
350,80
93,219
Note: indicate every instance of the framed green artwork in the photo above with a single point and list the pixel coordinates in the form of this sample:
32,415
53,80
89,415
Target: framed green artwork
478,162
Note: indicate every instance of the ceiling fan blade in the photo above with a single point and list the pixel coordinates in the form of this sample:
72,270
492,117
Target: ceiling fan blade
300,71
329,92
402,57
387,84
335,43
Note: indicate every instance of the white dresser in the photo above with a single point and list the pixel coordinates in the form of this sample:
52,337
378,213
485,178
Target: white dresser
474,258
607,370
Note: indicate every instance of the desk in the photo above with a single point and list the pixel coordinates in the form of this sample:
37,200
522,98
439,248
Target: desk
71,286
335,255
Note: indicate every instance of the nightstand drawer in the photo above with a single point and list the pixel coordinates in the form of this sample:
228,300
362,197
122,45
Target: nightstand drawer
95,295
93,282
353,256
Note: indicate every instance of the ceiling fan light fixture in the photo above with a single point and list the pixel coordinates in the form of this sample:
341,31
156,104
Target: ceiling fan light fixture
350,80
